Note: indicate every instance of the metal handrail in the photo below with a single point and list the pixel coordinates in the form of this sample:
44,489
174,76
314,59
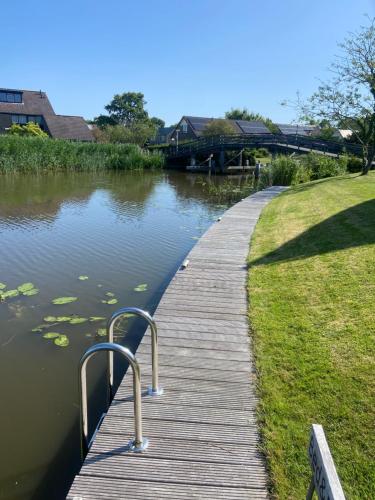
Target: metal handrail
154,389
139,443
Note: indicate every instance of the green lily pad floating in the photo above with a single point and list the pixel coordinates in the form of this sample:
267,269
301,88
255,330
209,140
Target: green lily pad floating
51,335
38,329
10,294
50,319
62,341
97,318
110,294
110,302
63,319
64,300
102,332
83,278
2,286
30,293
25,287
141,288
77,321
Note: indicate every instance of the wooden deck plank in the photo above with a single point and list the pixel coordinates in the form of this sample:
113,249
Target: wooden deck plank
204,440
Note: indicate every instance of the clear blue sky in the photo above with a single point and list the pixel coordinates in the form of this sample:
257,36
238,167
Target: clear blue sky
194,57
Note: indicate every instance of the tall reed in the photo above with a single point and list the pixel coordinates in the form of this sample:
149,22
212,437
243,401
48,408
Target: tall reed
32,154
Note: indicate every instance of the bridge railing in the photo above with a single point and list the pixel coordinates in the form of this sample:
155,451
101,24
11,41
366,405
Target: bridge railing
220,142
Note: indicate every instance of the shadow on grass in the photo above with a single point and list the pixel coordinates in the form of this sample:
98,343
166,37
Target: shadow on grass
352,227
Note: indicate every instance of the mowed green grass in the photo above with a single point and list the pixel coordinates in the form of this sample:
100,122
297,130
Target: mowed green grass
312,311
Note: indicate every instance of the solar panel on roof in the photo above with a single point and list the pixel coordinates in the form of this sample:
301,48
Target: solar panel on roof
293,129
254,127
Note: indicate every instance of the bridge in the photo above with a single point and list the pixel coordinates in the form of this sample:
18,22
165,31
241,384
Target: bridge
204,147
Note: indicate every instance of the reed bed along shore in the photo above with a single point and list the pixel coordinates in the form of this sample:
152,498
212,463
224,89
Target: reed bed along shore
37,155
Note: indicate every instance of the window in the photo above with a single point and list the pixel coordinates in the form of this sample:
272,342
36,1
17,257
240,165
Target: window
13,97
184,127
23,119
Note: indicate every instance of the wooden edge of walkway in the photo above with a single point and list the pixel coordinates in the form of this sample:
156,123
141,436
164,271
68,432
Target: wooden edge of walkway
203,434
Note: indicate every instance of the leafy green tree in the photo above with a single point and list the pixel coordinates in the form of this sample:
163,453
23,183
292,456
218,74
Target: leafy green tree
348,99
31,129
245,114
102,121
158,122
139,133
127,108
218,127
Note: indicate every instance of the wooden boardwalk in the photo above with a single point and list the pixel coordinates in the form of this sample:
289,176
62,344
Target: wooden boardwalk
202,430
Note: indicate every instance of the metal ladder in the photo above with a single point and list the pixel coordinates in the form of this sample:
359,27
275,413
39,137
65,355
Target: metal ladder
139,443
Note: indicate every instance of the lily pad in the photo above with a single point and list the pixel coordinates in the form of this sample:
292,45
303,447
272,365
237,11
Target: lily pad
64,300
2,286
110,294
110,302
63,319
77,321
31,292
25,287
62,341
83,278
102,332
10,294
141,288
51,335
50,319
97,318
37,329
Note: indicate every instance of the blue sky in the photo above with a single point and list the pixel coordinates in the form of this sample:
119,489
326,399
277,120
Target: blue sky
194,57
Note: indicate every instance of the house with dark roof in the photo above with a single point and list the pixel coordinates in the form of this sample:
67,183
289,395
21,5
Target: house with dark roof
23,106
192,127
298,129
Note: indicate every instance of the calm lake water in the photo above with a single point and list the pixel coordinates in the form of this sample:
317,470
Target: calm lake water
120,230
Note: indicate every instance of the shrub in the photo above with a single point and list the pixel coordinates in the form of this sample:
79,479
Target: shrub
31,129
287,170
320,166
355,164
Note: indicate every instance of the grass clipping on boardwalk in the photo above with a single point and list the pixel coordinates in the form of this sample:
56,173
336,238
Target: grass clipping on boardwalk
312,295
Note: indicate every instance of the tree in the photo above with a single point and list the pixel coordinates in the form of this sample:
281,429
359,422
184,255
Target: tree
102,121
127,108
218,127
31,129
158,122
139,133
245,114
348,99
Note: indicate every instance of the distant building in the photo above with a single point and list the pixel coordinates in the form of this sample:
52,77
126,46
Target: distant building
342,134
192,127
23,106
288,129
163,135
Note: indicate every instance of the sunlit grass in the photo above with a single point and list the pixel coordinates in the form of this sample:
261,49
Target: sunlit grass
312,311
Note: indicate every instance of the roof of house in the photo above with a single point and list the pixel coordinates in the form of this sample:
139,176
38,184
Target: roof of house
59,126
34,103
289,129
198,124
68,127
162,131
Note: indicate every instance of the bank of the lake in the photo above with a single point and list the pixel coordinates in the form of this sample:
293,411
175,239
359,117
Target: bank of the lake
115,230
36,155
312,292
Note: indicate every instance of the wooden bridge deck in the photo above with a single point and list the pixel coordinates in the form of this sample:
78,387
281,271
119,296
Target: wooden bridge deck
202,430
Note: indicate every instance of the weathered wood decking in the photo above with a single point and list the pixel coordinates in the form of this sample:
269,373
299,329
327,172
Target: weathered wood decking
202,430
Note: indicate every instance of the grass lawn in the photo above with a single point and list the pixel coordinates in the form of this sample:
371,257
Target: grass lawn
312,311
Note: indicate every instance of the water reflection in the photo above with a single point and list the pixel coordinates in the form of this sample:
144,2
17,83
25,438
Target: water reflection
119,229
